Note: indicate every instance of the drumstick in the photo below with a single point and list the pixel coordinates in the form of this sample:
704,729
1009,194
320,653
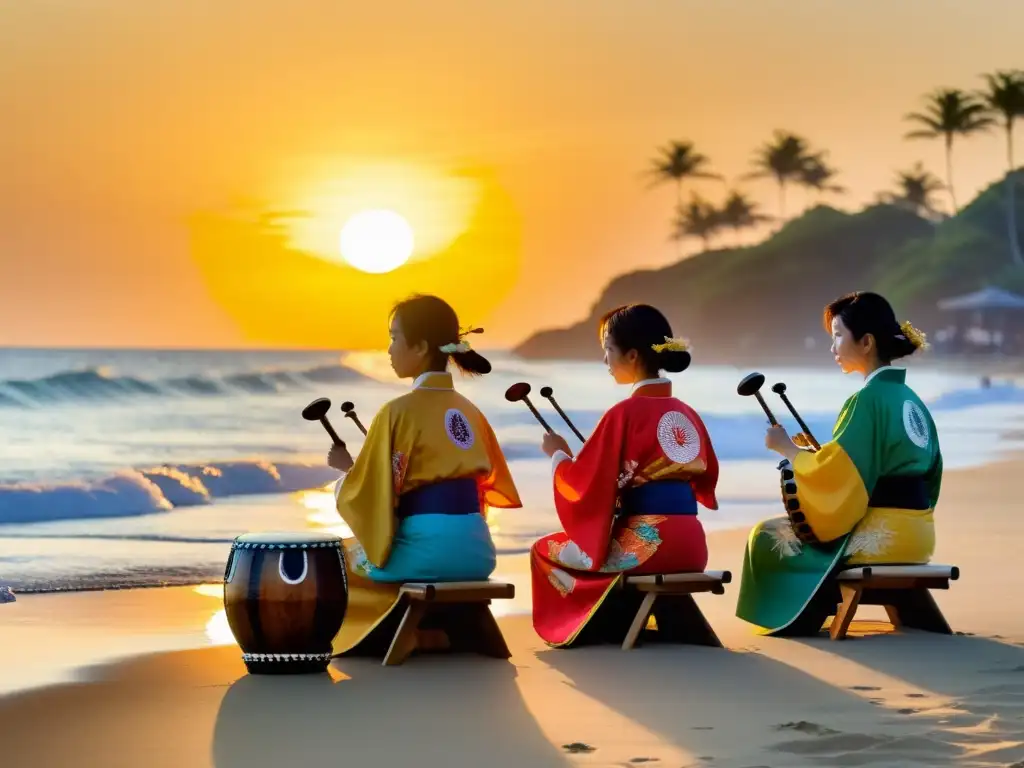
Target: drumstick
780,390
350,413
521,392
548,393
317,411
751,385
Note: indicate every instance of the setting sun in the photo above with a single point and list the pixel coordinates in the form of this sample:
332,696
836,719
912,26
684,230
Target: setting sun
376,241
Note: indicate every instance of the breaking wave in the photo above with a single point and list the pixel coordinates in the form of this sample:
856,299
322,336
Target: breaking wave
92,385
133,492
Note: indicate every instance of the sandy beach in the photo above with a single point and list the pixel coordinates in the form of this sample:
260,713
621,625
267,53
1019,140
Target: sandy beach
880,698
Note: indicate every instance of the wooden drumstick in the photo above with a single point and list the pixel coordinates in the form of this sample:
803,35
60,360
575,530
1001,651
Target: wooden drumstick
780,390
548,393
521,392
751,385
317,411
349,409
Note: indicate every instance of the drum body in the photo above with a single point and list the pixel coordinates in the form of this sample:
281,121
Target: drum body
285,596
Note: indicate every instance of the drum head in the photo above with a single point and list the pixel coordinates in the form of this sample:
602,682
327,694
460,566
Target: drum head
287,540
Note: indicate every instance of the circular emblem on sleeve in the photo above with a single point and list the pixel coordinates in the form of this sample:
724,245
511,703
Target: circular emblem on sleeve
458,429
915,424
678,438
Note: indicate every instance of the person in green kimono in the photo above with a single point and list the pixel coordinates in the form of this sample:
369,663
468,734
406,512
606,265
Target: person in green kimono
867,496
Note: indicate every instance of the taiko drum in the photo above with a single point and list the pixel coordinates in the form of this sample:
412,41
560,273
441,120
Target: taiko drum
285,596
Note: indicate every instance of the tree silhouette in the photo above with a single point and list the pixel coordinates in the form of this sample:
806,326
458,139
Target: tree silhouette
697,218
916,188
948,113
817,175
677,162
783,159
740,212
1004,97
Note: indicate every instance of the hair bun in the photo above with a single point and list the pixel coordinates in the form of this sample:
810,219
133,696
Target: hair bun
674,361
472,361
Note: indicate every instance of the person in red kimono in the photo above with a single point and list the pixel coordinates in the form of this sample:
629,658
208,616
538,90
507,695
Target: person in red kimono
628,501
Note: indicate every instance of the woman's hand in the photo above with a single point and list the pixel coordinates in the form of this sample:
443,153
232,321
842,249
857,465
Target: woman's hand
339,458
803,440
554,442
777,439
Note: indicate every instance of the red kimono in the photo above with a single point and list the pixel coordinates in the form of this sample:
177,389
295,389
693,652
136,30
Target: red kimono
610,529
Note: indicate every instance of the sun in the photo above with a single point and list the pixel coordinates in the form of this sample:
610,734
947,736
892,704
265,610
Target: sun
376,241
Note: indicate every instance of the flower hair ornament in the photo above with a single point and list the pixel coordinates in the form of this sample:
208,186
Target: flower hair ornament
911,334
462,345
672,345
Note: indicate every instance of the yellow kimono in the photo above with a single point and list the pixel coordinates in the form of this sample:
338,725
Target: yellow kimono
416,500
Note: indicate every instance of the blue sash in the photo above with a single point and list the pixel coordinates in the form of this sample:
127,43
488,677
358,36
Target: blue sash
447,497
660,497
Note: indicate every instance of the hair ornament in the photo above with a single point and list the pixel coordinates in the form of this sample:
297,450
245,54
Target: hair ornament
672,345
911,334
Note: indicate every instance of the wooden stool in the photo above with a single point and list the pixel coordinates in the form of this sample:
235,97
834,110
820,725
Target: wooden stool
669,597
901,589
458,608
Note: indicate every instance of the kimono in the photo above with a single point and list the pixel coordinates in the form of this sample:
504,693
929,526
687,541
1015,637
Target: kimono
628,504
416,500
867,496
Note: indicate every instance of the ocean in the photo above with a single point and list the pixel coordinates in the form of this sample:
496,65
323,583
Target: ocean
130,468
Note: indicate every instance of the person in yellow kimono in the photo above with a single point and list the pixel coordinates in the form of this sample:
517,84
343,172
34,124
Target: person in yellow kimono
416,497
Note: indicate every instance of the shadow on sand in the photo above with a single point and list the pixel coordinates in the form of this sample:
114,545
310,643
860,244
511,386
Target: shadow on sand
734,708
970,685
442,711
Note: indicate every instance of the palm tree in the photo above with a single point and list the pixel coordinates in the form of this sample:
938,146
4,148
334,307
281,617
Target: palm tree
740,212
1004,97
678,161
783,159
817,175
915,190
697,218
950,112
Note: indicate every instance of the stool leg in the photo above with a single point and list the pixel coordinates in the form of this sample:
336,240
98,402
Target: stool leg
917,609
847,609
404,642
640,620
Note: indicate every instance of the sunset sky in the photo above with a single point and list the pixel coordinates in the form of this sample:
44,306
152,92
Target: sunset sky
514,131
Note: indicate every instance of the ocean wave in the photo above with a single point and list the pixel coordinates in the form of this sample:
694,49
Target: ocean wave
97,385
134,492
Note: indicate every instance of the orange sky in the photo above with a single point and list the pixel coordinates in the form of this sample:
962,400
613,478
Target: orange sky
121,119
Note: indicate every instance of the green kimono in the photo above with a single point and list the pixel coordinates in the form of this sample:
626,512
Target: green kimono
867,496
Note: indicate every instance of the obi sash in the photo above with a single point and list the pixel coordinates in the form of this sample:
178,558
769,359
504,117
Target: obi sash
659,497
900,492
447,497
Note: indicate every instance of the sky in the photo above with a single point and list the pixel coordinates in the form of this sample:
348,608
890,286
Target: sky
125,123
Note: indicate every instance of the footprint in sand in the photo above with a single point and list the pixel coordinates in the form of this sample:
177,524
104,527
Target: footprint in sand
802,726
907,711
577,747
864,688
917,695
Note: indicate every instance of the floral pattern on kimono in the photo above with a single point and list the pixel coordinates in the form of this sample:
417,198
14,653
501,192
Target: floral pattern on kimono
784,540
634,544
399,464
356,555
569,554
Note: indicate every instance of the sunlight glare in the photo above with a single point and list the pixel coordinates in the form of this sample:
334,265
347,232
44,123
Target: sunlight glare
376,241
